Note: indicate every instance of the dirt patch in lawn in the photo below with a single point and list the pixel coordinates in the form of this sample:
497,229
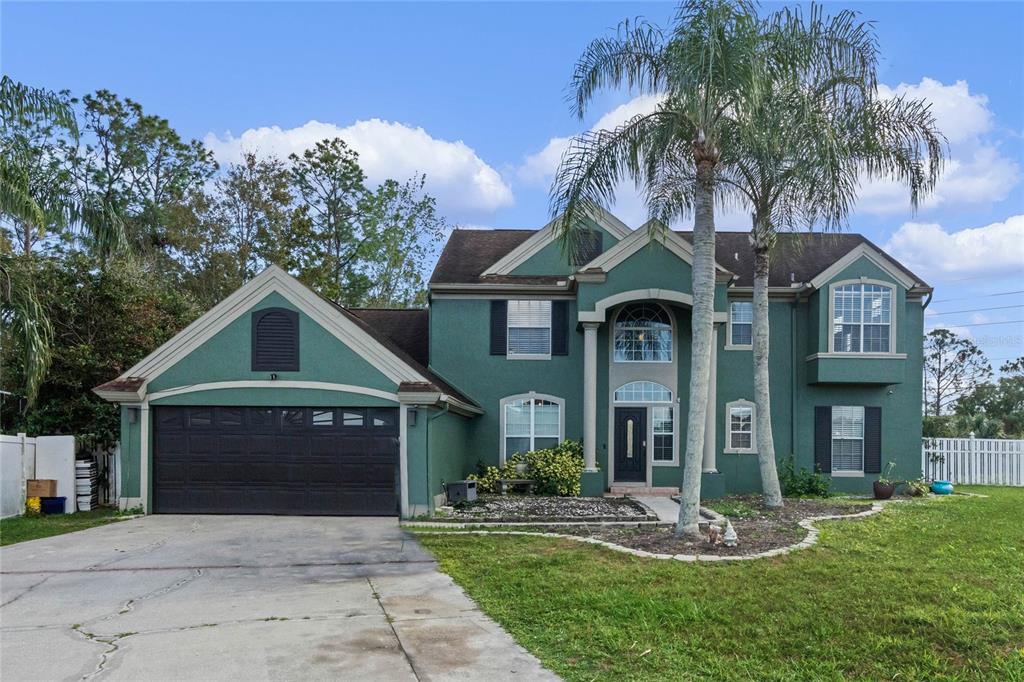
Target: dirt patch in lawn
759,528
519,508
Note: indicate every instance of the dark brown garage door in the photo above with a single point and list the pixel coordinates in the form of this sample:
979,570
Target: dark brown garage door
273,460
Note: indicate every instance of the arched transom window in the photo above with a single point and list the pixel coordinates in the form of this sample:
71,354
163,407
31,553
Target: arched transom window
642,392
643,333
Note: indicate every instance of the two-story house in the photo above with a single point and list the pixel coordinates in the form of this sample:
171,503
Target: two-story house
278,401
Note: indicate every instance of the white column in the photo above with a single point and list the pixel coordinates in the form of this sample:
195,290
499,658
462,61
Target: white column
710,465
144,457
590,395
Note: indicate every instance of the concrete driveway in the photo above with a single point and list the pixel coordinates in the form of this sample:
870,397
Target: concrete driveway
243,597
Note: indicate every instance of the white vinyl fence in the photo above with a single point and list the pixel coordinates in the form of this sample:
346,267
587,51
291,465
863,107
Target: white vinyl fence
48,457
982,461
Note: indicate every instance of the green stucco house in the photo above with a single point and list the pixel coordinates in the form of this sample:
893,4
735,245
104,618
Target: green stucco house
278,401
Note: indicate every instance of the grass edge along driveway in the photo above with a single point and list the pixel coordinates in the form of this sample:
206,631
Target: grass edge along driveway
927,590
21,528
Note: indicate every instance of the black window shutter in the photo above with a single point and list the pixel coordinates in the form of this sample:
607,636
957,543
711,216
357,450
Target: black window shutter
559,327
275,340
872,440
587,245
823,438
499,327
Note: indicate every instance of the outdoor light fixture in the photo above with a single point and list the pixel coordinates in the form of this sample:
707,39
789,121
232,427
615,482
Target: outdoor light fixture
133,415
412,417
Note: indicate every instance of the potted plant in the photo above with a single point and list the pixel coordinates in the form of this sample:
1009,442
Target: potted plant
885,486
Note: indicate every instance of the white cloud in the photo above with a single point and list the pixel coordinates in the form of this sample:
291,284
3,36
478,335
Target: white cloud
538,168
460,180
960,115
937,255
976,173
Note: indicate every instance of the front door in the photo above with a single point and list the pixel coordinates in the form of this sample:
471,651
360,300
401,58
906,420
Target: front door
630,444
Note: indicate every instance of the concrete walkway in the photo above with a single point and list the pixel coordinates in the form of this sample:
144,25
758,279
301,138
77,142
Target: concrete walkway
666,508
254,598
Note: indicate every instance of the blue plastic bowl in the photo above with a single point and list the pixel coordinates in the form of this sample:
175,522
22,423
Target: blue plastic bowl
942,487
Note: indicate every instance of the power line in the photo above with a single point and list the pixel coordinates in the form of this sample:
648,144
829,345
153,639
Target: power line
971,298
986,324
977,310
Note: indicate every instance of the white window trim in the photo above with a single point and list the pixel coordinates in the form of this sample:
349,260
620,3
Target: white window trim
832,317
672,330
729,345
670,401
532,395
729,450
848,473
509,355
674,462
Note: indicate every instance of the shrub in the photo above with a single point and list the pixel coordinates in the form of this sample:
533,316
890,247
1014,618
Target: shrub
803,483
555,471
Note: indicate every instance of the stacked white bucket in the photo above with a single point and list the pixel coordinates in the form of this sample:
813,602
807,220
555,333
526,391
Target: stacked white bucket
85,484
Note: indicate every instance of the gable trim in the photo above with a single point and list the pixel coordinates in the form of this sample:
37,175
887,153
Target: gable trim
311,385
272,280
547,235
877,257
641,237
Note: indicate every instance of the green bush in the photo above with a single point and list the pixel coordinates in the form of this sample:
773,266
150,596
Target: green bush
803,483
555,471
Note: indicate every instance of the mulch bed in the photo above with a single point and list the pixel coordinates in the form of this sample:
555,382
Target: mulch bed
520,508
759,530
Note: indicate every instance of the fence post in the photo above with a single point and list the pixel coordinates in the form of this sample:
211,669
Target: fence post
972,457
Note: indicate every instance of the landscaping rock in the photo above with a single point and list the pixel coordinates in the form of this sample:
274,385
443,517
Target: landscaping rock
518,508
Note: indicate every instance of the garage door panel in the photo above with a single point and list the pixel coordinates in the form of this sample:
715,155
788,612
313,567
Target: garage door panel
225,460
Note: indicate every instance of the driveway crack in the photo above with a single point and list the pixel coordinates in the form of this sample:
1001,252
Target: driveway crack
391,624
112,641
26,591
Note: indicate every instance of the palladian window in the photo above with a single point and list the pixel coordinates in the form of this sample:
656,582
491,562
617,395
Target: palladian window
643,333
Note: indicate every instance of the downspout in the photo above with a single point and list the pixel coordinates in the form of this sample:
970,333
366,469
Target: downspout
430,497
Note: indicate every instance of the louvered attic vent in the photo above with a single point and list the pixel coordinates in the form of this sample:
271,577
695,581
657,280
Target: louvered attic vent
275,340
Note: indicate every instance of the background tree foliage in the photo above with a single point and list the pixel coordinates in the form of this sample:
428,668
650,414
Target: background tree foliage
953,366
116,232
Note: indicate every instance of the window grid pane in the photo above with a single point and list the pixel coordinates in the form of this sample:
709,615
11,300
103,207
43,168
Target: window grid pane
741,427
663,433
862,318
643,392
531,424
643,333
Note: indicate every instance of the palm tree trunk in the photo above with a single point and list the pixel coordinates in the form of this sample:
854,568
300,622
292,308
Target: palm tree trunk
762,393
702,326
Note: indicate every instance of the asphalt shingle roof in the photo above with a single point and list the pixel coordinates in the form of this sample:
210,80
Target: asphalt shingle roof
798,256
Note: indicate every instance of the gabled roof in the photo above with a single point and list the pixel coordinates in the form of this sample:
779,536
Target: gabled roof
547,235
386,346
798,257
651,231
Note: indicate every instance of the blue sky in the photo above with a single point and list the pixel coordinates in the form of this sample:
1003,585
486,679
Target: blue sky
473,94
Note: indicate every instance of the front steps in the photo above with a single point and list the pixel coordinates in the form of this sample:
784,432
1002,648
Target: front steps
638,490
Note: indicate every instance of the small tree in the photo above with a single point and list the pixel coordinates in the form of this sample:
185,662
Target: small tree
1002,401
953,366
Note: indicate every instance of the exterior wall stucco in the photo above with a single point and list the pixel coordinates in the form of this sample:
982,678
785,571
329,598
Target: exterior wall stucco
554,260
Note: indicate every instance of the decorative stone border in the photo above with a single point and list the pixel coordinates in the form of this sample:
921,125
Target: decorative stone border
808,524
638,522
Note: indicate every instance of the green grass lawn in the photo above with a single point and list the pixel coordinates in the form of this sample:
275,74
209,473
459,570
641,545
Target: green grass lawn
927,590
22,528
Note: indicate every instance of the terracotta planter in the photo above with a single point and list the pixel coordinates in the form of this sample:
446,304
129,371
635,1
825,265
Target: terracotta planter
883,491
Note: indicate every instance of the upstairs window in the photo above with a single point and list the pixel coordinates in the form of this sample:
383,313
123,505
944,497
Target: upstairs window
529,330
643,333
275,340
741,323
862,318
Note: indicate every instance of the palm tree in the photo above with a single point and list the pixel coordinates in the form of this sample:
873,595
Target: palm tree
699,66
799,142
20,202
